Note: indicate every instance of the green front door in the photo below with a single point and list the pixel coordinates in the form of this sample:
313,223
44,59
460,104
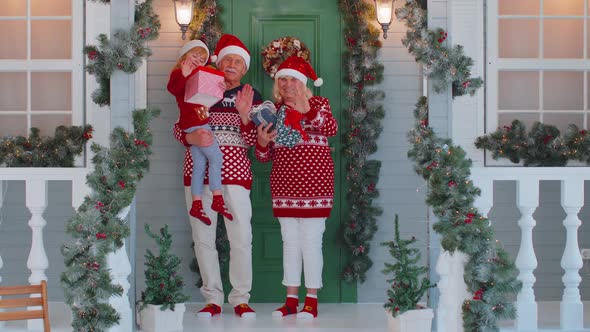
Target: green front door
318,25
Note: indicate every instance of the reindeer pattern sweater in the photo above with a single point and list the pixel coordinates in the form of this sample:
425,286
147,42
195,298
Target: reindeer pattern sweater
234,139
302,177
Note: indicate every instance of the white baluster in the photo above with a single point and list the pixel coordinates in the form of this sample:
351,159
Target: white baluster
443,323
485,201
120,267
572,309
79,190
36,201
527,200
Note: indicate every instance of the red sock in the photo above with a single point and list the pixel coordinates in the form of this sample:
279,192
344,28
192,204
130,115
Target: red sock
218,205
289,308
310,308
197,212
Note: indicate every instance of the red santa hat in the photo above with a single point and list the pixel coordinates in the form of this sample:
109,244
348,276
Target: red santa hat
192,44
300,69
230,44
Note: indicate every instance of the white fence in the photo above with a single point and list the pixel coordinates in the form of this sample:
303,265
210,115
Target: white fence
450,267
36,180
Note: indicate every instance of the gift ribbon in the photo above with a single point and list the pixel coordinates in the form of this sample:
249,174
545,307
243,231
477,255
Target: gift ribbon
293,119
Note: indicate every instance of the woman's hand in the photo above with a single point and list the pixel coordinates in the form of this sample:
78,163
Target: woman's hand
301,100
244,100
265,134
187,67
200,137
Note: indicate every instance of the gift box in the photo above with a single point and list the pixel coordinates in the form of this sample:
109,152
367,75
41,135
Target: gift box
264,113
205,87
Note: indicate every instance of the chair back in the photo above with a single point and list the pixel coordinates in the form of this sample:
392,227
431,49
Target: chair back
21,301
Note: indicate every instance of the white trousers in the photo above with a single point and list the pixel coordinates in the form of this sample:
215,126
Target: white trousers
239,233
302,248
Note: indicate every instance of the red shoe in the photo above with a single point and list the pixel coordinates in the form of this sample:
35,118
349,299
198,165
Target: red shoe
289,308
310,308
218,205
243,310
209,311
197,212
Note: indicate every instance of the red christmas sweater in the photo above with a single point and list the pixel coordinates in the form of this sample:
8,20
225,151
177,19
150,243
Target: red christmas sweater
189,113
302,177
233,137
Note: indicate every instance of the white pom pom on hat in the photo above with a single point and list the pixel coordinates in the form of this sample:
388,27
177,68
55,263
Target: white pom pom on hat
192,44
297,67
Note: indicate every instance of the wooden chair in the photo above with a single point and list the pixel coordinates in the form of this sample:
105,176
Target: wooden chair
24,302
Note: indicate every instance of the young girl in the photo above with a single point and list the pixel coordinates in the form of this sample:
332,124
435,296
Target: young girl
193,55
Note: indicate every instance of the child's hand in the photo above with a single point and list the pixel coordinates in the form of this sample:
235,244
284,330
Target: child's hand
187,67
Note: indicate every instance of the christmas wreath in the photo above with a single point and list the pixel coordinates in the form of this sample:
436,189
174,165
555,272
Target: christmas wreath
280,49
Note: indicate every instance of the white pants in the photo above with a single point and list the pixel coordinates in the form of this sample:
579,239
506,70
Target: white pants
239,233
302,248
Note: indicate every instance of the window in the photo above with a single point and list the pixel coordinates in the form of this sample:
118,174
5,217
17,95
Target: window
538,62
41,65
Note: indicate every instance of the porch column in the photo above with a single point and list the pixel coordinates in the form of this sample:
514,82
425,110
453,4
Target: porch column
571,307
36,202
527,200
122,104
120,267
453,291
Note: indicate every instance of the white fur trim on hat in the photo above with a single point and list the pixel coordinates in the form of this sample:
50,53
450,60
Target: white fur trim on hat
318,82
232,49
291,72
192,44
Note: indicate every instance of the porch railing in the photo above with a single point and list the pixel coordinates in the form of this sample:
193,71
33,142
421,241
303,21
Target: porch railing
36,180
450,267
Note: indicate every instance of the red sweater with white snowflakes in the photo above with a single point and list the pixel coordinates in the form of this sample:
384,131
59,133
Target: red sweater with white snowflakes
234,139
302,177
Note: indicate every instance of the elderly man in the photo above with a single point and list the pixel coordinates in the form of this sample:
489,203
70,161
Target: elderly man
235,133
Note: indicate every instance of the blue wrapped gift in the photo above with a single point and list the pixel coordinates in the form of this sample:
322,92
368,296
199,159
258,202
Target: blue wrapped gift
264,113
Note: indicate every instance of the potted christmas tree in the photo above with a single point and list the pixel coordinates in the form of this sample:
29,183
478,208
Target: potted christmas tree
403,311
162,302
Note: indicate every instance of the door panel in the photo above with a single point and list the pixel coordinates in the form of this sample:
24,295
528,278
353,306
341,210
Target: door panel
318,25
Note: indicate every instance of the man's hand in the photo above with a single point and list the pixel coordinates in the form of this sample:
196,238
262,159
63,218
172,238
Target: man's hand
244,100
200,137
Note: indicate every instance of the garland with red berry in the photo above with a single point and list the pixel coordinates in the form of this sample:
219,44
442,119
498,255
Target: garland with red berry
37,151
96,229
364,115
442,65
489,272
125,51
542,146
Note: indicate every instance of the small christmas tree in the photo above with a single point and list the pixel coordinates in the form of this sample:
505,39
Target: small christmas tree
163,283
406,289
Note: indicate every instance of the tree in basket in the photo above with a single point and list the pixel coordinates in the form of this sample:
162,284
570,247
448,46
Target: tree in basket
162,302
406,287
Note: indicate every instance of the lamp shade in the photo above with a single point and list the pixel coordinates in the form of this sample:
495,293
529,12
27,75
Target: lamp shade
183,11
384,13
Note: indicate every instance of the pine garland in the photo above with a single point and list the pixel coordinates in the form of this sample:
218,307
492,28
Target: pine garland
489,273
542,146
163,282
443,65
125,51
95,228
38,151
364,115
205,24
406,288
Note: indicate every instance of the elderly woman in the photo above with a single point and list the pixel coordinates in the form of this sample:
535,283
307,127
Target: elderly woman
301,181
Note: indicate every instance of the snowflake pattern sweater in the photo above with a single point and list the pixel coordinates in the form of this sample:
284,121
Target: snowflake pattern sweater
233,137
302,177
